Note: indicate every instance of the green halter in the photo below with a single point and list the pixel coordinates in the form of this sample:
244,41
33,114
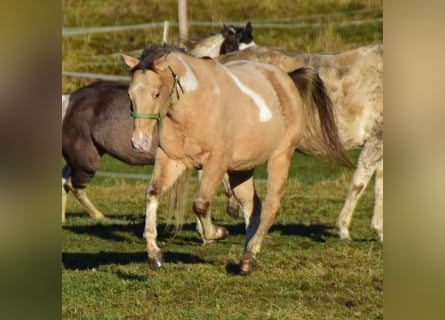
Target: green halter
164,109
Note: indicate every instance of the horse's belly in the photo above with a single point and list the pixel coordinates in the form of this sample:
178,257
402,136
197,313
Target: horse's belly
255,146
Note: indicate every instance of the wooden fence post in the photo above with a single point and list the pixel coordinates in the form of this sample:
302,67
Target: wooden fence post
182,19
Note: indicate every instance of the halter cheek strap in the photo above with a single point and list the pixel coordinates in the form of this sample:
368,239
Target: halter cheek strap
164,109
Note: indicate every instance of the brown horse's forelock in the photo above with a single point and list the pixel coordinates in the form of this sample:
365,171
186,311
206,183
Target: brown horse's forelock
151,54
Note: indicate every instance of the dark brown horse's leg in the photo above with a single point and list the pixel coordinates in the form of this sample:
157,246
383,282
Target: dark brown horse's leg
166,171
277,172
82,197
211,177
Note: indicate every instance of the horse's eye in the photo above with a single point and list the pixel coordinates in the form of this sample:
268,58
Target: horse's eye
156,95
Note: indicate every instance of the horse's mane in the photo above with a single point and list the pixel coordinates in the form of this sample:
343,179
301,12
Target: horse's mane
152,54
201,47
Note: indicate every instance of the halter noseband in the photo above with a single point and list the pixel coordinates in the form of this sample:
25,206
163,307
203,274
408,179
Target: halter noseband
164,109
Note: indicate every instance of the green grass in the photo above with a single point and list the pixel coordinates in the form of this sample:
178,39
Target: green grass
304,273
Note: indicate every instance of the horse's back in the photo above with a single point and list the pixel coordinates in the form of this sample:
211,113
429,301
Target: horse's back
269,93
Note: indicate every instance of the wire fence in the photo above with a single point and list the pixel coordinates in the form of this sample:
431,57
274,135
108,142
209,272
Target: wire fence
259,23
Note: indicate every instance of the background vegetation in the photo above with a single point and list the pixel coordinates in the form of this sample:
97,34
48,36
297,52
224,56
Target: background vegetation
304,273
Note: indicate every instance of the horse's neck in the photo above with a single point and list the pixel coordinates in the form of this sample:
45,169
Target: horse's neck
209,47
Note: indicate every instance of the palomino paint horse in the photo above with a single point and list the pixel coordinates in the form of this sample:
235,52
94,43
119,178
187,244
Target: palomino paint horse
354,80
97,122
223,118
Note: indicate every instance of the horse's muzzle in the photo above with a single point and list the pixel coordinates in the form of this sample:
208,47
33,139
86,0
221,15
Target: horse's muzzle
141,143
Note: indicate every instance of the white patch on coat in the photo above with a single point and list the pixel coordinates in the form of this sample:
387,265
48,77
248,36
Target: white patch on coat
188,81
65,102
216,89
243,46
265,113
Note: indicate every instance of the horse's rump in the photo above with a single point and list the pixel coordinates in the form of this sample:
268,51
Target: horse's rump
354,83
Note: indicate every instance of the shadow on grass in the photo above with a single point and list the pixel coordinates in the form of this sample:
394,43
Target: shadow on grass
120,228
315,232
83,261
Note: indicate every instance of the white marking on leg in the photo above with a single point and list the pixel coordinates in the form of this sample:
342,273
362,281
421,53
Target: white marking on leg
265,113
150,220
188,81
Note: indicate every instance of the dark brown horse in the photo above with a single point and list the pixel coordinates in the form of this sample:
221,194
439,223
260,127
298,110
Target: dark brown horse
96,121
224,118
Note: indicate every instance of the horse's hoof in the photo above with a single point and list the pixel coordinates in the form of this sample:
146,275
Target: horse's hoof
156,262
222,233
267,240
344,235
247,264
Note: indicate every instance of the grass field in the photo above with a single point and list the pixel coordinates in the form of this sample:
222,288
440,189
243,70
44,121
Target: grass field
304,273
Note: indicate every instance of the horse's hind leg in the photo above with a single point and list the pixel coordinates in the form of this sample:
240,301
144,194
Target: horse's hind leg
277,173
82,197
165,173
377,218
370,155
79,193
243,188
232,207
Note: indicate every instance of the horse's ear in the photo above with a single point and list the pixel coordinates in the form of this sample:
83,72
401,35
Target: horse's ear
226,31
248,27
130,62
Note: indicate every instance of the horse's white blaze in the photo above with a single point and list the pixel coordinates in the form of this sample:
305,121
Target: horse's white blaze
265,113
243,46
137,86
188,81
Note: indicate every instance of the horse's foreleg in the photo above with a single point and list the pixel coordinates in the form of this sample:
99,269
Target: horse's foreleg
211,176
277,173
377,218
63,203
370,155
199,228
66,173
166,171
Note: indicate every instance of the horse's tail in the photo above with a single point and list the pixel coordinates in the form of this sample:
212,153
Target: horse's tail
65,102
176,199
315,97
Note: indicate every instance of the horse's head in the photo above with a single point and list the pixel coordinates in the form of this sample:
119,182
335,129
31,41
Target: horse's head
150,91
236,38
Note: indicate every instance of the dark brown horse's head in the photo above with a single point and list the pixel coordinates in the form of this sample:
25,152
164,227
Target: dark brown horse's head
236,38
